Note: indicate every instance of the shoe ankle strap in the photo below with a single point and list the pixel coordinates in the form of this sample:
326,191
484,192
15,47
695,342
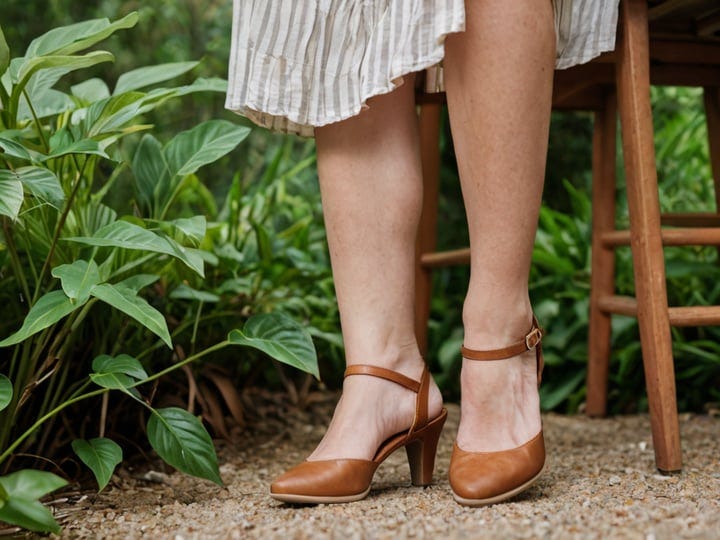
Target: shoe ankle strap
383,373
531,340
421,388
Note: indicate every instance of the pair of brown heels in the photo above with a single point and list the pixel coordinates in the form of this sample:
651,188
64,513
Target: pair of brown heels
476,478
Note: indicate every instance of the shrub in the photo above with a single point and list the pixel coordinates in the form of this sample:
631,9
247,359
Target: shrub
76,275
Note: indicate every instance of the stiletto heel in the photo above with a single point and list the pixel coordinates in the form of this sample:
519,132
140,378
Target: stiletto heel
482,478
421,453
346,480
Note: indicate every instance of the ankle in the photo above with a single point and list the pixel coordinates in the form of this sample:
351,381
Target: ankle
492,327
401,358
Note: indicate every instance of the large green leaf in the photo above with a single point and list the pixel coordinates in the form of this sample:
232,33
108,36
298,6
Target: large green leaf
94,217
211,84
184,292
49,102
78,36
122,363
42,183
31,484
121,372
101,455
28,514
14,148
280,337
11,194
150,171
4,52
40,82
67,63
115,381
138,281
203,144
122,234
107,115
181,440
127,301
84,146
194,227
91,90
6,391
48,310
21,491
110,116
149,75
78,279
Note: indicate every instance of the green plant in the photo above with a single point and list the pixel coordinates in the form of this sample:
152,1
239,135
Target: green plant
79,269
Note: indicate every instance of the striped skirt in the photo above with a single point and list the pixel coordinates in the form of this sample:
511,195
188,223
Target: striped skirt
298,64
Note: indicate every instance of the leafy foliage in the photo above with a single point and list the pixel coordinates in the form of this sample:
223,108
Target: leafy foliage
76,267
19,504
100,455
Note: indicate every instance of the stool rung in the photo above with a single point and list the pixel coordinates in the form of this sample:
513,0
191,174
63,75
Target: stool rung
679,316
694,316
705,236
445,258
694,219
620,305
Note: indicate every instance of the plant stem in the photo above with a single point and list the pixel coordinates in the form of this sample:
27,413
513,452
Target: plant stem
37,122
15,259
46,417
56,234
193,338
181,328
180,364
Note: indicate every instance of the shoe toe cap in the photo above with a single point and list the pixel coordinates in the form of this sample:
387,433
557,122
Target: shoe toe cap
488,475
330,478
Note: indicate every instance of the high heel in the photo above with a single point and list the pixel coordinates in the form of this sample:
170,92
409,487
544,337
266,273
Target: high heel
482,478
347,480
421,452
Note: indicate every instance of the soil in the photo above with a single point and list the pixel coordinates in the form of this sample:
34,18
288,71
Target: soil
601,482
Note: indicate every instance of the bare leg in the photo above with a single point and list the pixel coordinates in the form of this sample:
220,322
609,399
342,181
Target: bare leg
498,76
371,185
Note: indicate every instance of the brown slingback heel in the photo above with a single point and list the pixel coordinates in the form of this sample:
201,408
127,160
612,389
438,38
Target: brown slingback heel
482,478
347,480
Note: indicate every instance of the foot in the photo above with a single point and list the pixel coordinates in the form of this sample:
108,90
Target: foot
370,411
500,406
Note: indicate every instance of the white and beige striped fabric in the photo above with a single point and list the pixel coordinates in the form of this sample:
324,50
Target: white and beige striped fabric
298,64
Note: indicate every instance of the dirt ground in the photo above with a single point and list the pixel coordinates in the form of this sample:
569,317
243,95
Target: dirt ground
601,482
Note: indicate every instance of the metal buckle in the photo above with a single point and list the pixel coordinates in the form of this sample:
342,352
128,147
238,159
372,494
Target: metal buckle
533,338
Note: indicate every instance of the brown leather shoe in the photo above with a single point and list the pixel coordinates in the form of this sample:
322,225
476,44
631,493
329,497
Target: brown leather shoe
347,480
482,478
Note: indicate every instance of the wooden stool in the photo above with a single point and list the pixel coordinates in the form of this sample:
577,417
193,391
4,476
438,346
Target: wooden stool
614,83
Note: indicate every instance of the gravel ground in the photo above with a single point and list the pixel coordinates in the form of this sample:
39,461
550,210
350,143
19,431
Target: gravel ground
601,482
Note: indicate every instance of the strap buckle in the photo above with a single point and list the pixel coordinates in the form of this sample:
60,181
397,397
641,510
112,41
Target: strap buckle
533,338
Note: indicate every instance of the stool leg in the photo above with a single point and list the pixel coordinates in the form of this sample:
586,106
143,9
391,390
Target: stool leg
711,96
427,231
712,115
633,83
602,278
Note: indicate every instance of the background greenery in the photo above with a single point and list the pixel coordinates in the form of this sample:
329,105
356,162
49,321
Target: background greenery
274,257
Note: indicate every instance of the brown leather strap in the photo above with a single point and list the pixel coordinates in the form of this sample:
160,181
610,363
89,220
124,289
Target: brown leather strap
421,388
532,339
421,403
383,373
